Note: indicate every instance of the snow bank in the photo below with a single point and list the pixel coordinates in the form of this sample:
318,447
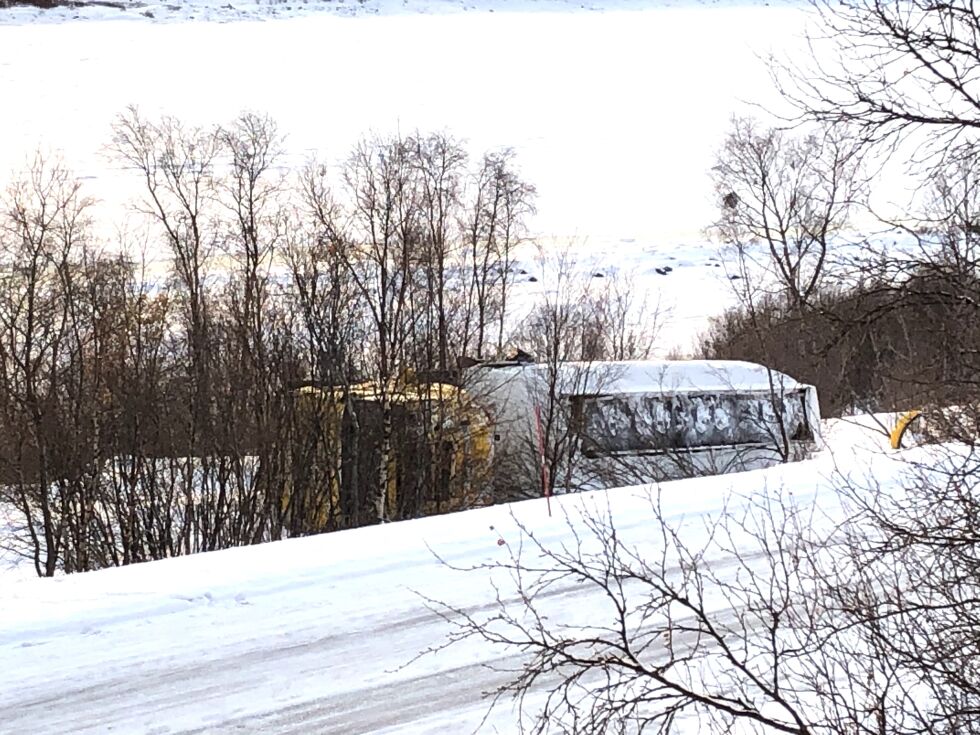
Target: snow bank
319,634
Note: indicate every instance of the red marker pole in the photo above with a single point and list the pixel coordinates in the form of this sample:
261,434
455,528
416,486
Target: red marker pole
544,460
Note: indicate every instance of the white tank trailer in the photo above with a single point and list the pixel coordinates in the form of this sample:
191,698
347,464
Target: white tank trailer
604,424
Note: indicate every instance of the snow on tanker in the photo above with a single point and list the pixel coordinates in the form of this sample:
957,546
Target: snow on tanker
601,424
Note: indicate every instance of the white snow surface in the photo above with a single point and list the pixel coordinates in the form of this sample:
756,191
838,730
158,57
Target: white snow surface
615,108
669,376
615,112
321,634
210,10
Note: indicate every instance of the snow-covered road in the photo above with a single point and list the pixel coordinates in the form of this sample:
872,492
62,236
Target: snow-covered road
317,634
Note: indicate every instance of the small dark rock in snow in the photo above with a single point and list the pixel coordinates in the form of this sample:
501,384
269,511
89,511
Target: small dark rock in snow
598,274
522,272
663,271
532,279
734,277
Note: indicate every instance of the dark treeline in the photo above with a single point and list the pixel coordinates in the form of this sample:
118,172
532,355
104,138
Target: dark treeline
884,324
147,414
881,346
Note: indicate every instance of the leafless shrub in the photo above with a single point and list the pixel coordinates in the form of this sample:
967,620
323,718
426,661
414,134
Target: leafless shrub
767,615
660,632
294,370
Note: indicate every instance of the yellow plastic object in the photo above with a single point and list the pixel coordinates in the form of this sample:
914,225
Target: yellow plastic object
903,424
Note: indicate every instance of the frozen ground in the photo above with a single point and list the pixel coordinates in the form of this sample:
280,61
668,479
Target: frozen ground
615,108
318,634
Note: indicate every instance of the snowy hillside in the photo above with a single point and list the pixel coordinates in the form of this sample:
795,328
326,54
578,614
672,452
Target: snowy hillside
319,634
617,143
209,10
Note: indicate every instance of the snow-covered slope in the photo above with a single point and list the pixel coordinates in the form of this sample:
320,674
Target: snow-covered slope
615,116
319,634
211,10
614,107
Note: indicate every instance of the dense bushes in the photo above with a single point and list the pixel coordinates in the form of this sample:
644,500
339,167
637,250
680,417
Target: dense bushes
150,411
289,361
882,345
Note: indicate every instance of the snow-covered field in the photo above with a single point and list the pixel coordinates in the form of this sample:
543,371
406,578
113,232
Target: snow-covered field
178,12
615,111
615,116
319,634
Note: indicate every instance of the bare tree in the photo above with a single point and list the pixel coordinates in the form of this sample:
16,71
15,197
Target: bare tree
177,166
902,596
766,616
894,326
782,202
630,320
661,631
580,325
333,329
43,229
496,225
891,68
292,371
258,358
386,227
439,163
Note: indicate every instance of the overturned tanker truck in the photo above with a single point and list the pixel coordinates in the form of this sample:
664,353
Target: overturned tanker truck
577,425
